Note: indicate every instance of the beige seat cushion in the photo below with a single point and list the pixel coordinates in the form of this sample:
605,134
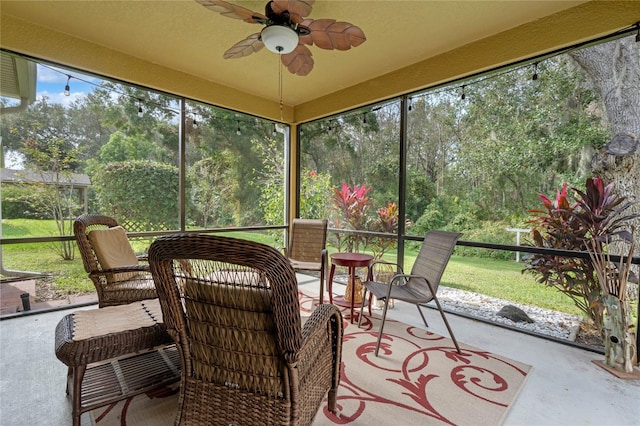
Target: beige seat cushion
116,319
113,250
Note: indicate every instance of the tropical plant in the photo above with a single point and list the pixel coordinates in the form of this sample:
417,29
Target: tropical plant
386,222
588,224
353,204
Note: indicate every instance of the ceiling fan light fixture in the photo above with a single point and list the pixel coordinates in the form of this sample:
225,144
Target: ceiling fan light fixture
279,39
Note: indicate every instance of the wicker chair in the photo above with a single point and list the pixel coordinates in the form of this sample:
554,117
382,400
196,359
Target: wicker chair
232,308
120,277
307,247
419,287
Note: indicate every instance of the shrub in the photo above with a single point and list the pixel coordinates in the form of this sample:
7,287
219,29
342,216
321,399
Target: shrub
488,232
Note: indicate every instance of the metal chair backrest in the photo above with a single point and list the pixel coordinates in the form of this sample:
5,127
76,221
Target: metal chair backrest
432,260
308,239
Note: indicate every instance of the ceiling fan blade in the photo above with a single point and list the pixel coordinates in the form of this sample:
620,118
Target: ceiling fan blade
297,9
329,34
298,62
233,11
245,47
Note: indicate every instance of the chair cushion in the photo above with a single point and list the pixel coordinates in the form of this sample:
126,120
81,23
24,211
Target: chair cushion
113,249
116,319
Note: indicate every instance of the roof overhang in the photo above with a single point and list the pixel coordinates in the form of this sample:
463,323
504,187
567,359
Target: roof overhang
18,81
176,46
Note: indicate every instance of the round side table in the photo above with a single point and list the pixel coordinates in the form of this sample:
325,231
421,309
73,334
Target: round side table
351,261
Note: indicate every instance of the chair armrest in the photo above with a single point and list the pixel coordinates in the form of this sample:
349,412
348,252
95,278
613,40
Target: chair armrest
380,262
316,322
143,270
408,277
129,268
321,333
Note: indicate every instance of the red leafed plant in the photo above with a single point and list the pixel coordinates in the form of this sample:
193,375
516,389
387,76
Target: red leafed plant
354,205
594,220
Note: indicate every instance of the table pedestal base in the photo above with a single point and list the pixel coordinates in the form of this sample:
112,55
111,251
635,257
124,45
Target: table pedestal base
340,301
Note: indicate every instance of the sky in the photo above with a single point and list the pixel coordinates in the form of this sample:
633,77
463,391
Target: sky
51,83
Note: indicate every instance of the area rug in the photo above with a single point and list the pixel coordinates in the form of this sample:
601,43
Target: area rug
418,379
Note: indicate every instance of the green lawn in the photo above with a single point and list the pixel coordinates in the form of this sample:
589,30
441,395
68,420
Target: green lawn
504,280
494,278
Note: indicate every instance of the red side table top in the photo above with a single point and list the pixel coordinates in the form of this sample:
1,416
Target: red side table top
353,260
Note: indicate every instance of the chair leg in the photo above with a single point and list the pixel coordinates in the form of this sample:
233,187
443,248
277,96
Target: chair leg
322,285
76,396
364,297
424,319
384,318
446,323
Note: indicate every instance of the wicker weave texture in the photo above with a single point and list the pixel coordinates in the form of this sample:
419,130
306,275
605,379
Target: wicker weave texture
145,333
110,288
232,307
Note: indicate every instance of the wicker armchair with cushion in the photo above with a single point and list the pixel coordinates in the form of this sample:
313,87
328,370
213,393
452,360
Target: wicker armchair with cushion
120,277
232,308
307,247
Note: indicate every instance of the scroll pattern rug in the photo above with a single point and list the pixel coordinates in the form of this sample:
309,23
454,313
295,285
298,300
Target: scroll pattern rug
418,379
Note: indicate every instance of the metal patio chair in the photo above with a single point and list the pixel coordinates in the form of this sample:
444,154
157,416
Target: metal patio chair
421,285
307,248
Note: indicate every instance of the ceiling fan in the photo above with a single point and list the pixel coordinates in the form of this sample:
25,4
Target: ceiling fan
287,32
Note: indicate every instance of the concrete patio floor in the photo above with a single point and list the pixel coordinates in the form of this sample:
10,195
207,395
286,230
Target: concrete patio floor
564,388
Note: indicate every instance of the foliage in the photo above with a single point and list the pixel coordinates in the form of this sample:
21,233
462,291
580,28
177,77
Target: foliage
594,218
127,148
422,192
210,184
144,193
387,222
488,232
15,202
314,188
46,143
353,204
447,212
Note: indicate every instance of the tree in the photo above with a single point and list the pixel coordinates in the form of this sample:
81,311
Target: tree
210,185
517,134
42,135
614,69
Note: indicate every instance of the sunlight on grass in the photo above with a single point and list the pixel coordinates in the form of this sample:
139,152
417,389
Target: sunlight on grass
495,278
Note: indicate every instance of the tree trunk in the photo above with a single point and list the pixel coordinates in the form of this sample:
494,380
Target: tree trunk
614,69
